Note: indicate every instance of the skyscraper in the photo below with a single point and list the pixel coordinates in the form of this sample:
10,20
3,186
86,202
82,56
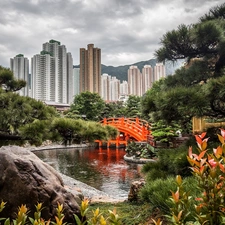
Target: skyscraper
134,81
76,78
110,88
90,69
147,78
159,71
52,73
70,78
43,69
105,83
20,68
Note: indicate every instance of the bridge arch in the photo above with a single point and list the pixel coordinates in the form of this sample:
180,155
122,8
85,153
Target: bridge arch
130,128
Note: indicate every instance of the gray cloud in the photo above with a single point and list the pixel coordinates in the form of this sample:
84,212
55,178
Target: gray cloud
126,31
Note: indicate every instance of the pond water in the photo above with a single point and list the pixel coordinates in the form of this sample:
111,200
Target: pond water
103,169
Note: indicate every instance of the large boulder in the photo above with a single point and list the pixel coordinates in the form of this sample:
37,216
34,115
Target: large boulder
25,179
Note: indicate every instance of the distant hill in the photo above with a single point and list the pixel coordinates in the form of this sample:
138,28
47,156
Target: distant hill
120,72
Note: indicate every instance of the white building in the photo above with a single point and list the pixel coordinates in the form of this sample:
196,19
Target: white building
124,89
20,68
134,81
105,80
70,79
52,73
43,69
114,89
159,71
76,79
147,78
110,88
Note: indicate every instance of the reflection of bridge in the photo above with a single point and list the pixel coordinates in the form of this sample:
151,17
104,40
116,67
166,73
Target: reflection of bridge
129,129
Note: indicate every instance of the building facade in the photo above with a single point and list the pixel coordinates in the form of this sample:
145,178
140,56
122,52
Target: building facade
90,69
52,74
76,77
19,65
134,81
159,71
147,78
110,88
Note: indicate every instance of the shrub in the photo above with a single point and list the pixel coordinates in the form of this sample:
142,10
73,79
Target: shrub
208,170
158,192
140,150
96,219
169,162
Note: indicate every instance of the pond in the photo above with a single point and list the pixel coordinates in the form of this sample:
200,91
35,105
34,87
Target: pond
103,169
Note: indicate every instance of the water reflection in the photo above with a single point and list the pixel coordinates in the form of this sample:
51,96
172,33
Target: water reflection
103,169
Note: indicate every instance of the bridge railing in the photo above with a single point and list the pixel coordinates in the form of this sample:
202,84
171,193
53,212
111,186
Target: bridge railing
137,127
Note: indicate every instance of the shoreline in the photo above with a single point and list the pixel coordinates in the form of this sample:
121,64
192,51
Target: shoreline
77,187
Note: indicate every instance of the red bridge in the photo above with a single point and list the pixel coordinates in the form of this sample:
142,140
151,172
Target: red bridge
129,129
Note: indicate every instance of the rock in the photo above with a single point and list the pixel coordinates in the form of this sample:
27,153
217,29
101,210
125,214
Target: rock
25,179
134,190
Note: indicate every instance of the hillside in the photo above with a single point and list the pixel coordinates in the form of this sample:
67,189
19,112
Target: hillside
120,72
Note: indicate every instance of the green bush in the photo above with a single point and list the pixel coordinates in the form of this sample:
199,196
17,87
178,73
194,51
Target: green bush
169,162
140,150
158,193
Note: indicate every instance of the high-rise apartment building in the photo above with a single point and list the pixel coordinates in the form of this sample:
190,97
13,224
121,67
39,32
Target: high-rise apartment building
43,70
52,74
76,77
159,71
70,78
110,88
90,69
134,81
105,80
114,89
20,68
124,90
147,78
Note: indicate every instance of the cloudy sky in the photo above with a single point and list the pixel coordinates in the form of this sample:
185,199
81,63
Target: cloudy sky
127,31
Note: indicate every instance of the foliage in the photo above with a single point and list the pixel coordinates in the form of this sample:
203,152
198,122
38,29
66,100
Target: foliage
208,170
157,192
197,88
133,106
7,81
87,104
114,109
18,112
96,131
36,132
130,213
96,219
165,133
140,150
69,130
163,167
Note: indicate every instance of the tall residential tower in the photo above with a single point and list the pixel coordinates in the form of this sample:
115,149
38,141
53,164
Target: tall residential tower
52,74
90,69
20,68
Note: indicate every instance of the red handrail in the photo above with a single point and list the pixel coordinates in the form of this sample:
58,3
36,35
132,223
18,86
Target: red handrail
134,127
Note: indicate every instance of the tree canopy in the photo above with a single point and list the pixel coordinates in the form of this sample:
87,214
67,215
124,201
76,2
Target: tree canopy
196,89
88,105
